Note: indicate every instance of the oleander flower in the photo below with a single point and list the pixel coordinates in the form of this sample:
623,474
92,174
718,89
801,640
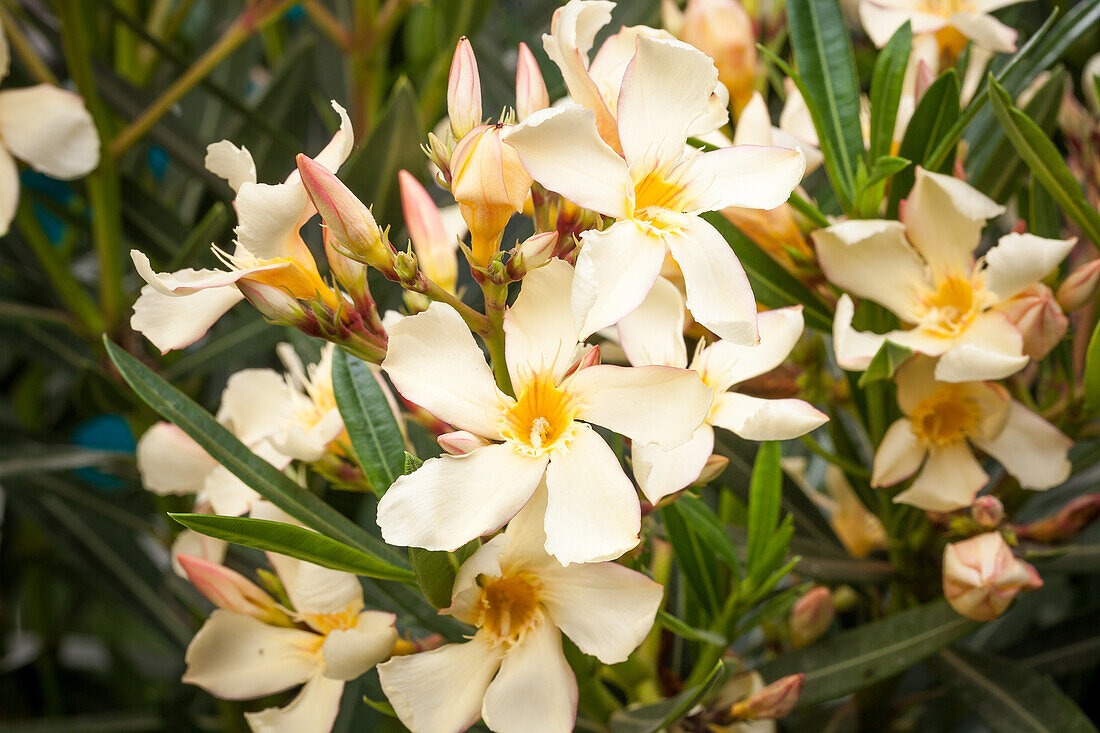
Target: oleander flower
653,334
512,672
270,265
981,576
434,232
943,420
656,191
923,269
593,512
46,127
252,646
951,22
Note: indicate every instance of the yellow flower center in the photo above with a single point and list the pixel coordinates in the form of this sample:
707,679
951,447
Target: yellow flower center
949,415
658,199
541,417
509,606
952,307
325,623
301,282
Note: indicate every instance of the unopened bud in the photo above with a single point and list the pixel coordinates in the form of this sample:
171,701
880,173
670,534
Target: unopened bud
274,303
439,155
496,271
533,252
349,220
434,244
722,29
811,616
587,359
981,576
987,511
712,469
232,591
775,701
1080,287
464,90
1039,319
350,274
404,265
531,94
460,442
1070,519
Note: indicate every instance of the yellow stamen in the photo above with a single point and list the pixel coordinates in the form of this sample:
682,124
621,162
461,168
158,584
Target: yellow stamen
952,307
949,415
541,418
509,606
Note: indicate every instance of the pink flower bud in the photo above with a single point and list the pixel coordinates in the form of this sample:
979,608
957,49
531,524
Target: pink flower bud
464,90
587,359
435,247
230,590
350,222
534,251
1080,286
811,616
351,274
987,511
275,303
460,442
531,94
1039,318
981,576
775,701
1070,519
723,30
712,469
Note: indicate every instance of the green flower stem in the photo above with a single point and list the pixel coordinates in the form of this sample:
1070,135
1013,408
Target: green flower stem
478,323
853,468
496,299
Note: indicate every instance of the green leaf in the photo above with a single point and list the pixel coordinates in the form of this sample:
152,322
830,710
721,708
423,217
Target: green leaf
293,541
652,718
765,492
932,119
259,475
826,64
1044,219
871,185
771,284
885,362
1008,696
886,90
695,560
435,571
375,436
1092,372
1046,162
709,529
684,631
854,659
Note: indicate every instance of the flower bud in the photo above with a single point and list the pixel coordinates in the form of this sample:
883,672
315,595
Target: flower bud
533,252
981,576
1080,287
1038,317
712,469
1070,519
345,215
775,701
811,616
531,94
274,303
406,268
434,245
860,531
232,591
460,442
723,30
463,90
987,511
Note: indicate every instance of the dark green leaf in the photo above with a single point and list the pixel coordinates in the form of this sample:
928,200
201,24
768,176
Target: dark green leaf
652,718
885,362
765,491
375,436
1044,219
435,571
935,114
293,541
706,525
886,90
695,559
684,631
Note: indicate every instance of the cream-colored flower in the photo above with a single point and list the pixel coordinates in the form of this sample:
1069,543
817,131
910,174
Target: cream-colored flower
512,673
981,576
942,420
924,270
951,22
46,127
270,265
653,334
593,509
655,191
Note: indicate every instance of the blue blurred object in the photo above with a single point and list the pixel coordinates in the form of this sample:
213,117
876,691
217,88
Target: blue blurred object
158,160
59,191
103,432
295,13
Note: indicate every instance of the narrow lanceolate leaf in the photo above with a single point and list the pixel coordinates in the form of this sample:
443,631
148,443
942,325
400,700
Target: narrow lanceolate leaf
886,361
826,64
694,558
1092,372
375,436
1008,696
772,285
652,718
709,529
765,497
933,118
270,483
1046,163
293,541
851,660
436,570
684,631
886,90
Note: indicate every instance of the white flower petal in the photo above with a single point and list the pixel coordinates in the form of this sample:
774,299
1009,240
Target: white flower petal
882,22
755,418
9,188
723,364
434,362
340,146
314,589
650,404
188,281
540,334
1020,260
486,560
50,129
226,160
754,124
872,259
350,652
1031,449
853,349
451,500
615,271
172,322
654,333
592,512
560,148
171,462
535,690
991,349
950,480
718,292
899,455
190,542
748,176
440,691
226,494
237,657
985,31
255,404
605,608
269,217
661,472
313,710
